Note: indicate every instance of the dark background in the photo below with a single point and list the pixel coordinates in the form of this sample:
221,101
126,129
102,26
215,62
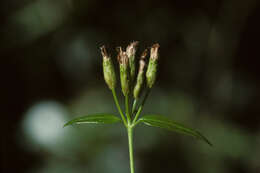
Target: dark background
51,72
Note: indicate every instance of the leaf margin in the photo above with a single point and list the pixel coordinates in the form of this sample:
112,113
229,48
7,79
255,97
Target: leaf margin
94,119
171,125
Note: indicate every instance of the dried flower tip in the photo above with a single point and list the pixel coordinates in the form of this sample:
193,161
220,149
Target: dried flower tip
154,51
119,50
108,69
144,54
122,57
141,66
131,49
142,62
104,52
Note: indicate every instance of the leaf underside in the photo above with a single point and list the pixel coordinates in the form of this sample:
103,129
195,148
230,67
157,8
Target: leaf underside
94,119
165,123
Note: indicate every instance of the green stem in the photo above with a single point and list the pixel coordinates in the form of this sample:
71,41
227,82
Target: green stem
131,154
138,113
127,109
141,106
134,106
118,107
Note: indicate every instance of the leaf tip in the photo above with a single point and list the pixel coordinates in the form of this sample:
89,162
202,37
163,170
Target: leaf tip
204,139
210,144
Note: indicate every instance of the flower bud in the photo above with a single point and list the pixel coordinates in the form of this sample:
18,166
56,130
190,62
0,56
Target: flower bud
124,70
140,76
152,66
130,51
108,69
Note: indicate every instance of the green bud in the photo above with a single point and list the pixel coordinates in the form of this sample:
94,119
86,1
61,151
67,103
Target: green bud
152,66
108,69
140,76
130,51
124,71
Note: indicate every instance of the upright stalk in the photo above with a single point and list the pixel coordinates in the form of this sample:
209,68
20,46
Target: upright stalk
141,106
130,143
127,109
134,106
119,108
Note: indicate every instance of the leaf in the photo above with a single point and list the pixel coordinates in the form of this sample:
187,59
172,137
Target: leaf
96,119
165,123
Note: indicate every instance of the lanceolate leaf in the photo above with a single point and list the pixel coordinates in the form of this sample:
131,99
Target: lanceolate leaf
96,119
165,123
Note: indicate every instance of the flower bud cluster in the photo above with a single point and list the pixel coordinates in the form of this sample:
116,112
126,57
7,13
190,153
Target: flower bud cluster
126,60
